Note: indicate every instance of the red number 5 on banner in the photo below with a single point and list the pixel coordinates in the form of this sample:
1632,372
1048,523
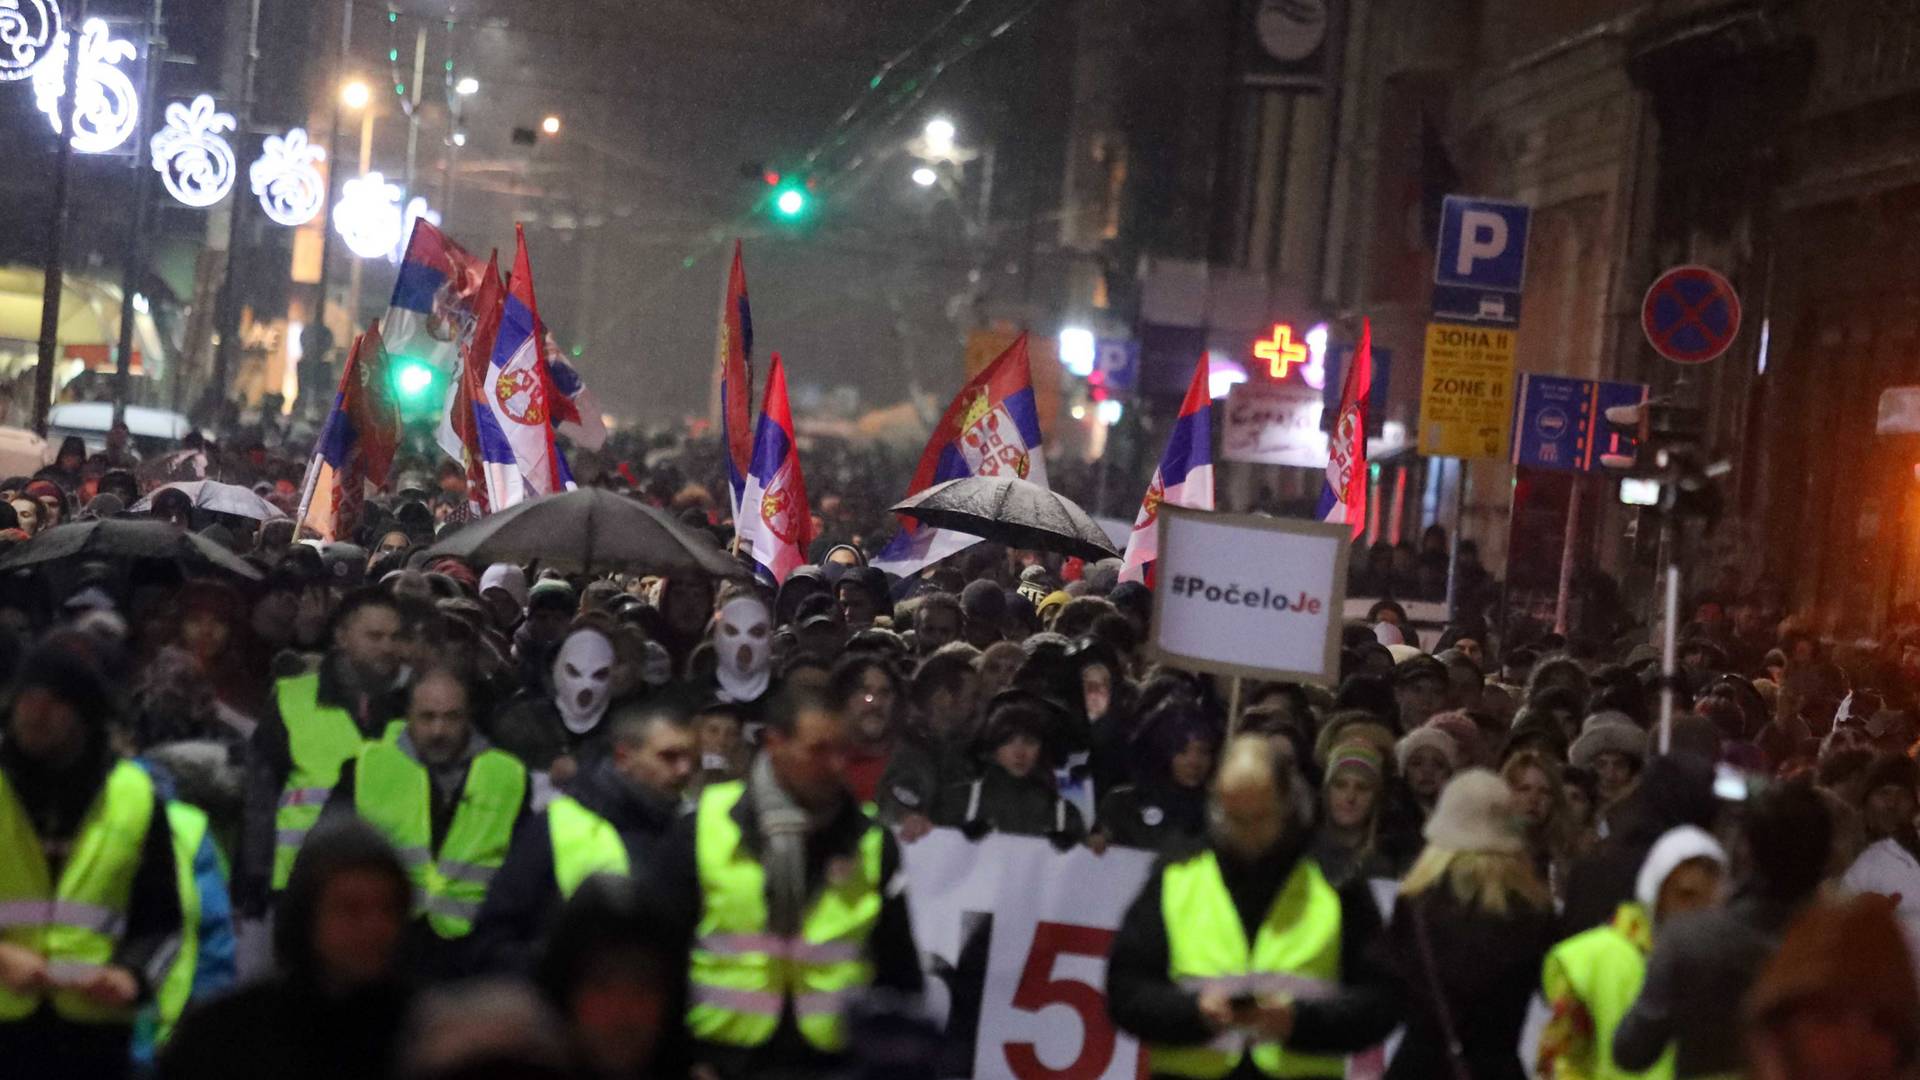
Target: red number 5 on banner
1039,989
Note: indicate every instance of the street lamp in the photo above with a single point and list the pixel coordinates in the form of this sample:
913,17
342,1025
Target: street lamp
551,125
939,134
925,177
355,94
467,87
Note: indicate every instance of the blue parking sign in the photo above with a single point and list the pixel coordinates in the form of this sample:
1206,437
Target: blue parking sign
1483,244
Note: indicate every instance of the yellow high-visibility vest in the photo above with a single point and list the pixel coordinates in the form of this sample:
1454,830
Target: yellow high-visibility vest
320,738
74,922
395,795
1296,952
741,975
584,844
189,826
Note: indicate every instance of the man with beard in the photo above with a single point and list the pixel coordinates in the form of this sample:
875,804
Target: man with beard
1240,960
448,801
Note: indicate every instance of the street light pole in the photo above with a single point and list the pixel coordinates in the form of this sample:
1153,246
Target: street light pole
227,305
136,264
326,225
57,236
354,269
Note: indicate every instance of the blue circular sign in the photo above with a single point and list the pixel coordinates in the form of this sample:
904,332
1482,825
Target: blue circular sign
1551,423
1691,314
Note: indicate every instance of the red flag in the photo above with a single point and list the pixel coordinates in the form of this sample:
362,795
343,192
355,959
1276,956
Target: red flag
1344,496
470,386
734,364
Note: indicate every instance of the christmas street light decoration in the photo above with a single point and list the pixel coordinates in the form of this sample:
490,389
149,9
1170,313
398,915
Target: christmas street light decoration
194,161
108,107
29,32
291,188
368,215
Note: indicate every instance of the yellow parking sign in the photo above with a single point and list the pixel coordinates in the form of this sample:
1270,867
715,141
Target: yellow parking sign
1466,391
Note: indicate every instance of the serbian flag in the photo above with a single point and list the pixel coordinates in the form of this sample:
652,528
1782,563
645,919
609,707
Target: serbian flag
991,429
519,391
734,372
1184,478
356,445
432,306
493,475
775,525
1344,496
575,413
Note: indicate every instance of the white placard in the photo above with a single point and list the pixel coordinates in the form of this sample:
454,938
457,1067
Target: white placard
1252,596
1274,424
1031,995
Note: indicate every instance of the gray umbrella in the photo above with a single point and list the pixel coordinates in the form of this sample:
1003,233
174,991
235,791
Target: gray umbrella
1017,513
217,497
590,529
113,539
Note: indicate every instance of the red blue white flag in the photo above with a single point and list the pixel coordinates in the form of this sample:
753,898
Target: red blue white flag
357,443
775,526
432,309
1343,498
1183,478
992,428
734,364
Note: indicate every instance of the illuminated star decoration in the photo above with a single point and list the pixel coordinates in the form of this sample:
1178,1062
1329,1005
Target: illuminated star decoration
1282,352
108,107
29,32
417,210
194,161
368,215
291,189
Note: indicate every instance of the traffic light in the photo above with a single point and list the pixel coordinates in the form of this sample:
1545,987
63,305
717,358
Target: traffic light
416,385
790,202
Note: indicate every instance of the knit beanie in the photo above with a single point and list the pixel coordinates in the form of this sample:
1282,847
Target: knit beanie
1355,755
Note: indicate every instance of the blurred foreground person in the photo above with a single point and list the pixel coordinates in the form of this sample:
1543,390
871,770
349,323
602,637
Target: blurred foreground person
1473,922
336,1004
1838,1001
792,903
1241,960
483,1030
1706,961
609,967
1591,979
89,901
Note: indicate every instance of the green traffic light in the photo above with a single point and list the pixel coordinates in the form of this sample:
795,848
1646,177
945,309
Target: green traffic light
791,203
412,381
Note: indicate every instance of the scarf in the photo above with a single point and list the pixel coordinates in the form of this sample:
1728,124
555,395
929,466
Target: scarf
784,825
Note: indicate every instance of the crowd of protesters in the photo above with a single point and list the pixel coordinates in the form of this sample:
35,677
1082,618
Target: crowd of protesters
382,812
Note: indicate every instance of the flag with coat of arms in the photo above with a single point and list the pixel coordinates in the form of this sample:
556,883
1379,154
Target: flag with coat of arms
1184,477
432,310
992,428
775,523
1343,498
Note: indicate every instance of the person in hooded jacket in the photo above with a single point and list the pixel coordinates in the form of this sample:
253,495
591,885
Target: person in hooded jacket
89,898
1014,792
608,967
742,640
1166,810
336,1004
932,751
1590,980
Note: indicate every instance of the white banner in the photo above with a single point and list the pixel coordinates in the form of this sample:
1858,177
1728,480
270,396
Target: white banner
1015,935
1271,423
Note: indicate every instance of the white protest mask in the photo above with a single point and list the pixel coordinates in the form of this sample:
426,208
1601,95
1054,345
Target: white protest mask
743,645
583,679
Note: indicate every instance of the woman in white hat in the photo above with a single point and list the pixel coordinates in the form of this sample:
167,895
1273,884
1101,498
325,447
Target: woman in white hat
1468,935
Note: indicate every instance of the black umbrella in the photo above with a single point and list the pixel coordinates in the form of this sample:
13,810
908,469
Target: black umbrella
126,538
590,529
1013,512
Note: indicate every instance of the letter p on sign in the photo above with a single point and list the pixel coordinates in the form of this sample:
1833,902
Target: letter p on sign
1483,235
1482,244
